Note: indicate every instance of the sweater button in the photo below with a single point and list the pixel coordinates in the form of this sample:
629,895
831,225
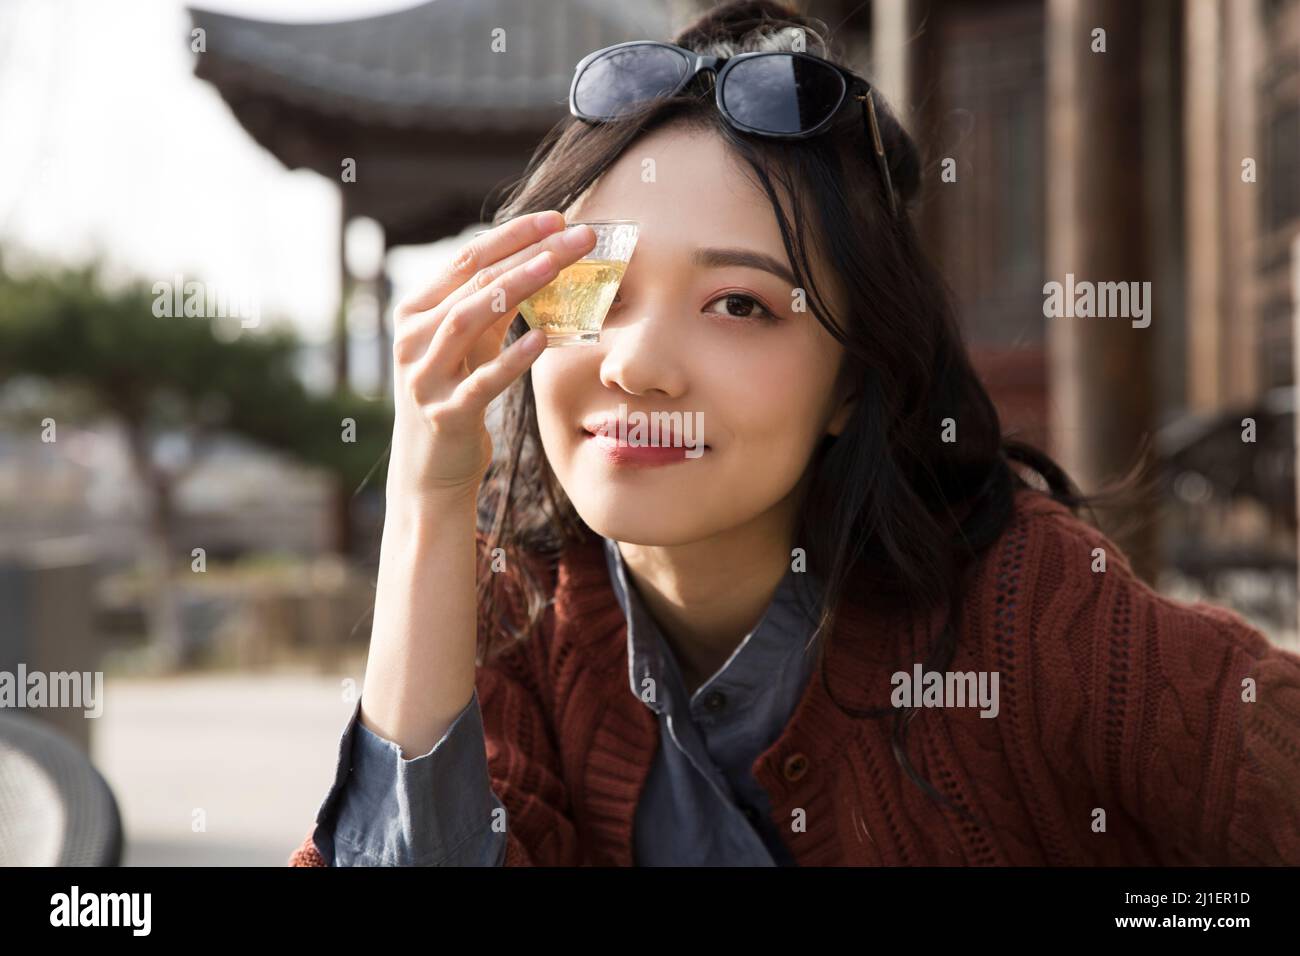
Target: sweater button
796,765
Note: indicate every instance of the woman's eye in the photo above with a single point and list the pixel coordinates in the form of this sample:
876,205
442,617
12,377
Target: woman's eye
741,306
737,306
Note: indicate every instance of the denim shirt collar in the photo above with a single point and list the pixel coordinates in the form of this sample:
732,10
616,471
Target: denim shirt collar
779,638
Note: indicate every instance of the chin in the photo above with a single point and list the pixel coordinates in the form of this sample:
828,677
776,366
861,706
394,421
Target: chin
640,521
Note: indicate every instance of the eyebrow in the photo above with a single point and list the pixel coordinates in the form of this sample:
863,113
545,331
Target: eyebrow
711,258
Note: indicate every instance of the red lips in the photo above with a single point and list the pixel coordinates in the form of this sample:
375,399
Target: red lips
643,455
603,430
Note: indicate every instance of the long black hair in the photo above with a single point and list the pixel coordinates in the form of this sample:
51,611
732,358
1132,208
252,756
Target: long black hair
887,501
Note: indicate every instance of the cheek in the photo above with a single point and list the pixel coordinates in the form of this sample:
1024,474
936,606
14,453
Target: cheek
549,407
775,403
557,407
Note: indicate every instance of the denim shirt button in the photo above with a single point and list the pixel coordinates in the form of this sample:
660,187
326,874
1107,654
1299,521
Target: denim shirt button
715,701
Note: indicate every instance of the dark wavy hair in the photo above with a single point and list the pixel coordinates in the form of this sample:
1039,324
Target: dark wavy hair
888,506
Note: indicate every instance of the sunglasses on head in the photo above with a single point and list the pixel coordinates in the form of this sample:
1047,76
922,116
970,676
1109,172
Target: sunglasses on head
781,94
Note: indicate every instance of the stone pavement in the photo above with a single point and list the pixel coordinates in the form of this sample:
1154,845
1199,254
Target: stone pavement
255,753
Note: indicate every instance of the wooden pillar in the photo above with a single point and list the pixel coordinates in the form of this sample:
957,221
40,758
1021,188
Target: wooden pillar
1101,388
341,495
1162,142
1242,61
1203,152
905,52
1295,372
893,25
341,376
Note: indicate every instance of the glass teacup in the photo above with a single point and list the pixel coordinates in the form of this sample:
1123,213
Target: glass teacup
572,307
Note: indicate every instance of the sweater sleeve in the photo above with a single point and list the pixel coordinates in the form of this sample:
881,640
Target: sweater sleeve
1193,716
1224,759
1263,717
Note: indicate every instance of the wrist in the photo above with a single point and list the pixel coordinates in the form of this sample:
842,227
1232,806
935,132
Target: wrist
406,487
416,515
415,523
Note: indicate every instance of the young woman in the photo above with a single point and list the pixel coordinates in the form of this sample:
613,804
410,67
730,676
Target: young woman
849,630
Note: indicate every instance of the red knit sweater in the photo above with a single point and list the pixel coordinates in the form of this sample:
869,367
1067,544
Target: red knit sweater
1112,698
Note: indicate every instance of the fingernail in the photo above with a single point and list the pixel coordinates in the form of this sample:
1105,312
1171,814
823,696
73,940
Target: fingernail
575,237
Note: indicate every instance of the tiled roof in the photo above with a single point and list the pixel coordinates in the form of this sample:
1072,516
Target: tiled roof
430,66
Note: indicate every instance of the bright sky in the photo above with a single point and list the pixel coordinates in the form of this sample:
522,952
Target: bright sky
109,145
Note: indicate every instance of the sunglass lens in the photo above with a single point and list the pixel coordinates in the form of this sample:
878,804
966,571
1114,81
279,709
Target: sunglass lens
623,79
782,94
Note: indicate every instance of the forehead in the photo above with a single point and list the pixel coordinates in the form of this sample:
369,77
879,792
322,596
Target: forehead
688,187
687,177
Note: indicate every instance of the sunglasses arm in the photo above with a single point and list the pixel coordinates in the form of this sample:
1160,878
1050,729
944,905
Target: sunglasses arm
872,130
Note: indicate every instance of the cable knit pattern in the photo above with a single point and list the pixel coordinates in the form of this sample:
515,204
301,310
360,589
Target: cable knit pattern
1131,729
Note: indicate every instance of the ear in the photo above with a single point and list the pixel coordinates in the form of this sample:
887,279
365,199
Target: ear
842,415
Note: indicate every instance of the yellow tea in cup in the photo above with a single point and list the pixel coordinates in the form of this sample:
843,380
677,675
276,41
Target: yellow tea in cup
572,307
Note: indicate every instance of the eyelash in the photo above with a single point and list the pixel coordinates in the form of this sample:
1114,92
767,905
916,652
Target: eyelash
763,315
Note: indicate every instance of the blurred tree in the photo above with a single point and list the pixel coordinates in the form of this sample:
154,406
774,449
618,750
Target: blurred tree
108,353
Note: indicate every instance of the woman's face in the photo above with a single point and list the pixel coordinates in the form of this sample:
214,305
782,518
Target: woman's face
690,332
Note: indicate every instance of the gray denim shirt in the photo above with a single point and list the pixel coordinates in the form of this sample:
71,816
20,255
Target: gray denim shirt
701,805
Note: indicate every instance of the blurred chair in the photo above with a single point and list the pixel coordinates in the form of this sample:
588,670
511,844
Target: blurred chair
55,808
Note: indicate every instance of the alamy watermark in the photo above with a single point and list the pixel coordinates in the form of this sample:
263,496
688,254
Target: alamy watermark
922,688
657,429
75,908
205,300
57,689
1103,300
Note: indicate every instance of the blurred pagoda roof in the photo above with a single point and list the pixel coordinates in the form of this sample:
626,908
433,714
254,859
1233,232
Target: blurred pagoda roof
434,118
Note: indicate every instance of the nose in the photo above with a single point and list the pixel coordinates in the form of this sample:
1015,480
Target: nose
641,352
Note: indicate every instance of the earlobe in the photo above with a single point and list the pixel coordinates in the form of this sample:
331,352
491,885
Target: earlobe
841,417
